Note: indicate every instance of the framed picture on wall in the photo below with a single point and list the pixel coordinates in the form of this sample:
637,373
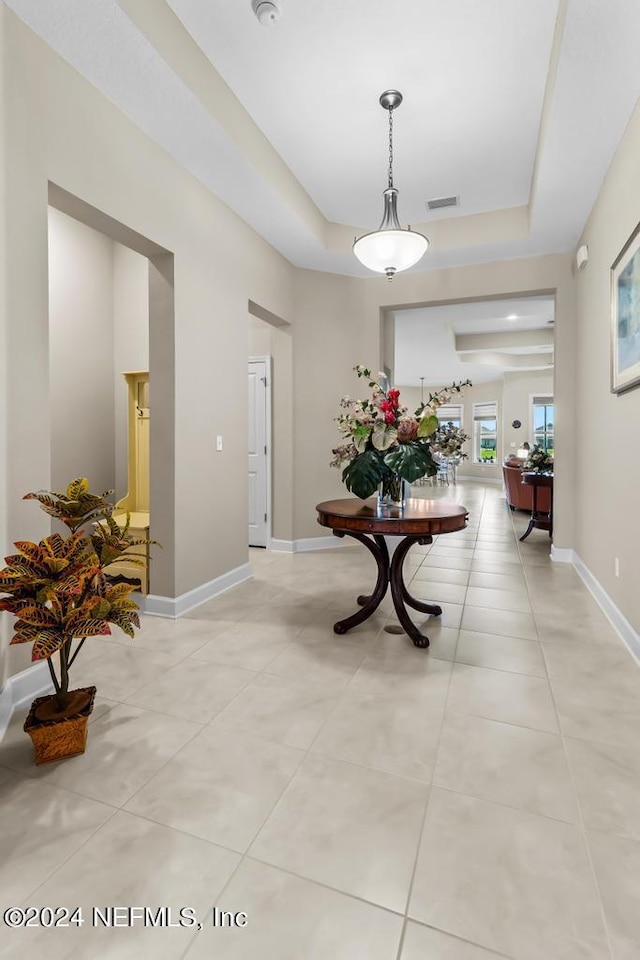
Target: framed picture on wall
625,316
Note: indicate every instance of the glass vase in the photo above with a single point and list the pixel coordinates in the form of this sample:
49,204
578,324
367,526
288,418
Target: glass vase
391,492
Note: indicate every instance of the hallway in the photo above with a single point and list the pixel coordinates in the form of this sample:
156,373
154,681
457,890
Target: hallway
356,797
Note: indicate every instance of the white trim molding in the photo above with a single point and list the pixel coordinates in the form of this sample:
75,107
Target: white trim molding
266,359
282,546
628,634
306,544
562,554
21,689
174,607
476,479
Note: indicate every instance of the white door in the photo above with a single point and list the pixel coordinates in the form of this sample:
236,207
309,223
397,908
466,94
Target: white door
258,454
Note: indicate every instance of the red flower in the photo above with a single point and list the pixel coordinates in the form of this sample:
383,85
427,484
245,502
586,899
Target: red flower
394,397
389,417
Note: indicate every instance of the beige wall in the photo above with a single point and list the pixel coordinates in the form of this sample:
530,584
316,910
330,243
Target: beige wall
477,393
267,340
58,128
130,342
519,388
338,324
5,619
81,353
330,338
513,395
608,426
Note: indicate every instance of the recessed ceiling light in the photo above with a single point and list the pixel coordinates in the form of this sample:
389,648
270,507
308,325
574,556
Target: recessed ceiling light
512,316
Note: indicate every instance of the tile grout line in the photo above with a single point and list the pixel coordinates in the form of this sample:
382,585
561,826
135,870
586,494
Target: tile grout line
426,808
580,824
245,855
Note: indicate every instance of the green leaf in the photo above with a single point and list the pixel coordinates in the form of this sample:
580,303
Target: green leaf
427,426
411,461
384,435
360,438
363,474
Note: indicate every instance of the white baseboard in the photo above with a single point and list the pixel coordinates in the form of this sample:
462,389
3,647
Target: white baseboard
629,636
562,554
283,546
306,544
480,479
174,607
21,689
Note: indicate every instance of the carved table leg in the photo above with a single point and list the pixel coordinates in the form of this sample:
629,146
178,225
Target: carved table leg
365,598
431,608
532,524
378,548
401,595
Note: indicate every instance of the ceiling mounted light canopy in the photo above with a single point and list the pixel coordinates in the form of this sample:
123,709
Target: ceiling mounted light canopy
390,249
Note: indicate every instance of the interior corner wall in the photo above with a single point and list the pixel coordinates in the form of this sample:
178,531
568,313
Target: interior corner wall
330,338
81,353
267,340
338,325
519,388
58,128
130,343
608,425
5,620
477,393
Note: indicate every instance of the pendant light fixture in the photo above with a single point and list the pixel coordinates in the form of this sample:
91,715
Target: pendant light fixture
390,249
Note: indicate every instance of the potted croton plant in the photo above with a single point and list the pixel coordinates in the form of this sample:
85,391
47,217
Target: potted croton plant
60,594
385,444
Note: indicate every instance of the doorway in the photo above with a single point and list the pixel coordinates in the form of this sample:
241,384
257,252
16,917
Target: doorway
259,451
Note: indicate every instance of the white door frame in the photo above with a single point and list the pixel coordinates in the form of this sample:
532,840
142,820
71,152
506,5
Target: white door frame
267,361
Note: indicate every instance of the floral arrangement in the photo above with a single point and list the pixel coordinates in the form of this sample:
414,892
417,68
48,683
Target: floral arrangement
448,441
538,461
384,443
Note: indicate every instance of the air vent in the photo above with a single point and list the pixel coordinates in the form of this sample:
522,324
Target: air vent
439,202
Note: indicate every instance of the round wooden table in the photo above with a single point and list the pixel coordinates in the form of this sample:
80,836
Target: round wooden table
540,519
368,523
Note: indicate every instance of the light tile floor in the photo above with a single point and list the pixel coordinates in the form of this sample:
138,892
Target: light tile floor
355,796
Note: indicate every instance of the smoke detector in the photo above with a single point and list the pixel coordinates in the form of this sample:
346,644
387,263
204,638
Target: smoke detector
267,11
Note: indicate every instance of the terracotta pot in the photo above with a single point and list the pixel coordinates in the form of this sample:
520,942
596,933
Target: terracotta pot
59,739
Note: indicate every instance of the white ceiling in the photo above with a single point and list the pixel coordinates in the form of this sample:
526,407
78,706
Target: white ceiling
312,83
425,340
513,105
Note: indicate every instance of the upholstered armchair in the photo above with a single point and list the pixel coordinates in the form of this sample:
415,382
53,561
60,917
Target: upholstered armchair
519,495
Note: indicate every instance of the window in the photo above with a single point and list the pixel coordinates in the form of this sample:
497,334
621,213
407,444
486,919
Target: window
543,417
485,432
450,413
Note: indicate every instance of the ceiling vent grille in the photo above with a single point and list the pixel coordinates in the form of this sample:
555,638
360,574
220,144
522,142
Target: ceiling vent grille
439,202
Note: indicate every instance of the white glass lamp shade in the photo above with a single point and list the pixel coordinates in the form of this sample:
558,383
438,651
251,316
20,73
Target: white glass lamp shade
390,251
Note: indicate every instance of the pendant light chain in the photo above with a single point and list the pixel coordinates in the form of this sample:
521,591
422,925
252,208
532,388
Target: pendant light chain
390,249
391,146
